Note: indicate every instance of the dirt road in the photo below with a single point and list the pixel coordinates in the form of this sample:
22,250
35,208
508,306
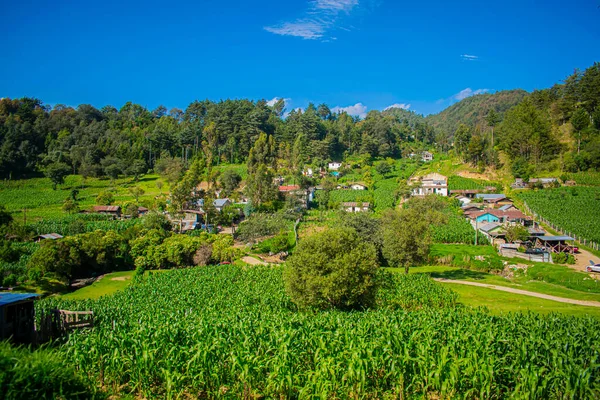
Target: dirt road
253,261
524,292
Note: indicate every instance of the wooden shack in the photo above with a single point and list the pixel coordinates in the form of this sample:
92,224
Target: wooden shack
17,320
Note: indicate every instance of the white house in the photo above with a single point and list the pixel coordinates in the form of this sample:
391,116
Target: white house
432,184
308,172
334,166
355,207
427,156
358,186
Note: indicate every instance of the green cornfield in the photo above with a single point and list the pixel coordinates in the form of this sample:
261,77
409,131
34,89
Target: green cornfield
573,209
226,332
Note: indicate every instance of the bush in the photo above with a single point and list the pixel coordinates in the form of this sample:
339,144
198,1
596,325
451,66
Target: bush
280,243
332,269
559,258
105,199
39,374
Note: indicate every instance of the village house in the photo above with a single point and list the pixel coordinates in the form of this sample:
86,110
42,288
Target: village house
191,220
303,196
358,186
492,231
355,207
115,211
334,166
426,156
432,184
519,184
220,204
308,172
493,200
142,211
499,216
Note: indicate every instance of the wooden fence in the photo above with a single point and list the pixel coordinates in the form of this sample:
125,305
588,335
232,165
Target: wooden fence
581,240
59,322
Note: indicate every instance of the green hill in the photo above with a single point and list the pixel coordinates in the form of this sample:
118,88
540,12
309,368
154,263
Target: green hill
473,110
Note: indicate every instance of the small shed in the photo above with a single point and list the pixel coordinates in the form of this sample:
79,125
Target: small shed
50,236
108,210
142,210
555,244
17,316
426,156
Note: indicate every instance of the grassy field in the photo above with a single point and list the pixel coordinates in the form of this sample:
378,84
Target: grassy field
108,285
498,302
37,197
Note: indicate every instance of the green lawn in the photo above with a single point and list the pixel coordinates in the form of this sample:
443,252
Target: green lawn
109,284
520,282
498,302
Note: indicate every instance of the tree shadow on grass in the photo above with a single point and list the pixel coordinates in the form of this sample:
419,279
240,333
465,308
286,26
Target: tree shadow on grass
458,274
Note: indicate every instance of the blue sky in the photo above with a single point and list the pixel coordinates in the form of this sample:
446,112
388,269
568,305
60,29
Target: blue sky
353,54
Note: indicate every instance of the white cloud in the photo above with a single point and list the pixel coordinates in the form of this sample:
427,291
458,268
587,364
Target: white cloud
320,16
398,105
335,5
463,94
359,109
469,57
274,100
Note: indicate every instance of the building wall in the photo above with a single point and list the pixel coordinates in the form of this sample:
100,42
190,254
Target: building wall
487,218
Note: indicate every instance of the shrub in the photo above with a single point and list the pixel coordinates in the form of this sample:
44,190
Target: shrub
559,258
332,269
39,374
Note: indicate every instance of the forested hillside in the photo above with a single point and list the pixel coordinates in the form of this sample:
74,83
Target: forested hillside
57,140
474,110
555,129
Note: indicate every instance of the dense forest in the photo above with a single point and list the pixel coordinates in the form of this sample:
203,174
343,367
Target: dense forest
131,140
553,129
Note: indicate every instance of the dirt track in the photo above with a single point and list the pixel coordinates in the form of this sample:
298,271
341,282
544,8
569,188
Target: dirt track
524,292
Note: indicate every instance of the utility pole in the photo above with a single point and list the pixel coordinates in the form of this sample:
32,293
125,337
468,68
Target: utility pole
476,230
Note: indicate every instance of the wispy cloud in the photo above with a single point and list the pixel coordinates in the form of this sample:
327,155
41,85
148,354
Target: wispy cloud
469,57
398,105
359,109
320,16
274,100
468,92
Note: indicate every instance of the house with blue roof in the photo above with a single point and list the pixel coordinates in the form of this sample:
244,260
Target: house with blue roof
17,316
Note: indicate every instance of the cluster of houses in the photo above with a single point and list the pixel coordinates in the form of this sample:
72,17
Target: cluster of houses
491,213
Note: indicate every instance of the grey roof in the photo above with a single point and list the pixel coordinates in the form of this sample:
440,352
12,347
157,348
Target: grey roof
51,236
9,298
489,227
220,202
555,238
506,207
491,196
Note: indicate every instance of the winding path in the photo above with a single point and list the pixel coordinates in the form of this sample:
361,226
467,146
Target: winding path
523,292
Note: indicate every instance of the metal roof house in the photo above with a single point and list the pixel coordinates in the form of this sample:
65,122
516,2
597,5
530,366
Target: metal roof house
51,236
17,316
432,184
221,203
555,244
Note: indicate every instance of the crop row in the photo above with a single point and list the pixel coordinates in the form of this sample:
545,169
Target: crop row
224,332
573,209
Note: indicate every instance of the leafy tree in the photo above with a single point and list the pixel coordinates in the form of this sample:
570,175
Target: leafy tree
137,168
5,217
156,221
383,168
516,233
230,180
492,119
136,192
57,172
70,206
406,237
132,210
105,199
261,167
462,137
112,171
332,269
580,121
